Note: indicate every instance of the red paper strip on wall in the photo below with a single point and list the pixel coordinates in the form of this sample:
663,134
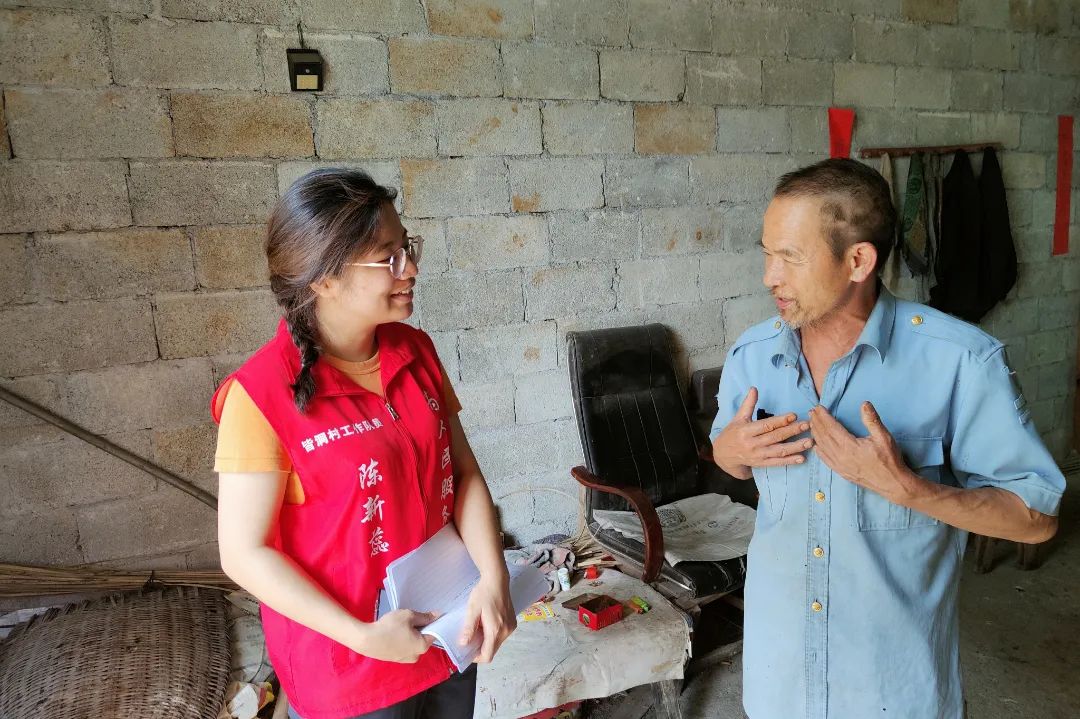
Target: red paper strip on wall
1064,184
841,122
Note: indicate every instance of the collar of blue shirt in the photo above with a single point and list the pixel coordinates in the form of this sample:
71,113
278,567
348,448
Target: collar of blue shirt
877,332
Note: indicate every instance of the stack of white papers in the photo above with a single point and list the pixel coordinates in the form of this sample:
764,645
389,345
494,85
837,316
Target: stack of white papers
707,528
438,576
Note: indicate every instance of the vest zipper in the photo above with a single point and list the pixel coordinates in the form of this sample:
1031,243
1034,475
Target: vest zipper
412,452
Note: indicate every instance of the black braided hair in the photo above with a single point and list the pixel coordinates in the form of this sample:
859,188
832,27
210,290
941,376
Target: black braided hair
303,335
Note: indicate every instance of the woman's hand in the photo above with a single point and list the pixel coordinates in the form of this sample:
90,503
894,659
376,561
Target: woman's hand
490,612
395,637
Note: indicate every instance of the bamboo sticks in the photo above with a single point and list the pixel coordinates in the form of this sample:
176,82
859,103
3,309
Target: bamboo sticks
18,580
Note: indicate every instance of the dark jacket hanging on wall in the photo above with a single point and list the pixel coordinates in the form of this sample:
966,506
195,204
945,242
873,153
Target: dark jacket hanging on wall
957,266
998,266
976,260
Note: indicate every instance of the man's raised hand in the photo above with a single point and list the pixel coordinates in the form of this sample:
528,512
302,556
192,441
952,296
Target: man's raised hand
745,443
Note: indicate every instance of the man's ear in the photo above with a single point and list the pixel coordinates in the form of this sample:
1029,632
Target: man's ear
862,260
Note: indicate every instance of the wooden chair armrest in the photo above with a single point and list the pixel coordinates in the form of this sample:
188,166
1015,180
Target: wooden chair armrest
643,507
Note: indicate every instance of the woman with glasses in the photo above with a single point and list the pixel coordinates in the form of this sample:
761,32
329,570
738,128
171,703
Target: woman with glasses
339,450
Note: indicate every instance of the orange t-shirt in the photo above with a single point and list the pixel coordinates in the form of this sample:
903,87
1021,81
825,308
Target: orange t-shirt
247,442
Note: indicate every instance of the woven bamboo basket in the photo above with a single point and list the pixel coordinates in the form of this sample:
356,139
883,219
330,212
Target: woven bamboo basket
160,654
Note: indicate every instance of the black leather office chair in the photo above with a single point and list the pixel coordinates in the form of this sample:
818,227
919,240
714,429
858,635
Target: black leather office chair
640,449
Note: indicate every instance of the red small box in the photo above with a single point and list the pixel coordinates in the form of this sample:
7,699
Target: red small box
599,612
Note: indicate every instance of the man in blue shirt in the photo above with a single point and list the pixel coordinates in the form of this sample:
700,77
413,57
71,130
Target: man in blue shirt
884,432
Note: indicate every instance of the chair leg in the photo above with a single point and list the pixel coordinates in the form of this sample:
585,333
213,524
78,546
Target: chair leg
1027,556
984,556
666,699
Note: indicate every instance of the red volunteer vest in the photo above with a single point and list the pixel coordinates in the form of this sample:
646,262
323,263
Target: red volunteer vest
378,482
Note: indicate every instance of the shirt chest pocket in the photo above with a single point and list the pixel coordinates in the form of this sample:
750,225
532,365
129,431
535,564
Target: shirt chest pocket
772,483
925,457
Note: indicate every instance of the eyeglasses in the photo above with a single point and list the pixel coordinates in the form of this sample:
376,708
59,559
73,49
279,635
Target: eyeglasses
413,249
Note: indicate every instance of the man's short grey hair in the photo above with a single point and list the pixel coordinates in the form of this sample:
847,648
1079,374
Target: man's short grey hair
857,204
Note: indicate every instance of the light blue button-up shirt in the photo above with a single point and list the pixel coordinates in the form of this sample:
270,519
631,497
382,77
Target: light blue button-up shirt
851,601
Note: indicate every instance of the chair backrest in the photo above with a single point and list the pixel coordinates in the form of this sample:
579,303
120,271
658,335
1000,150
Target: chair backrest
630,413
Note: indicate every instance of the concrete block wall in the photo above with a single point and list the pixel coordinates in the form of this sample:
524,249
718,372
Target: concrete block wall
571,164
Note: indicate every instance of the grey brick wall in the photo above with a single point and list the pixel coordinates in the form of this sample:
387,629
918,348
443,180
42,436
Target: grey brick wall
573,165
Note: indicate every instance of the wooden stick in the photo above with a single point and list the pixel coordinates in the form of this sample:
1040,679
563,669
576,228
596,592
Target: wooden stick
106,446
930,149
734,601
594,563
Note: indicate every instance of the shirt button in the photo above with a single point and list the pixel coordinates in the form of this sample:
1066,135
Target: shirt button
776,324
916,320
819,496
816,606
819,552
